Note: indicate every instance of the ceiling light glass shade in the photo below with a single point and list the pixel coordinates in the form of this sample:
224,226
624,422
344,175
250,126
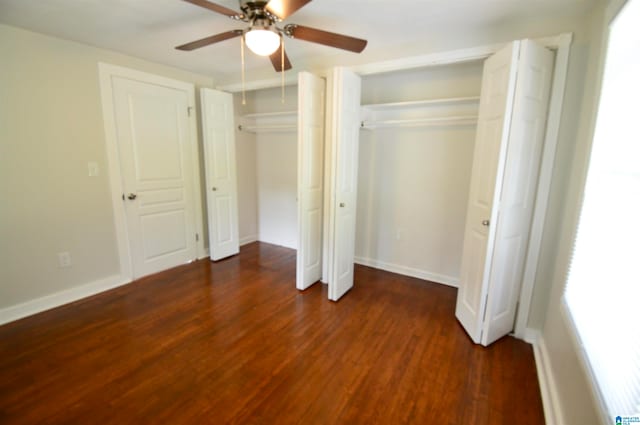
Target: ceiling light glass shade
262,42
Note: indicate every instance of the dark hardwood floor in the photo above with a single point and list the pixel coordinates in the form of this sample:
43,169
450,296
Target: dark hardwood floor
235,342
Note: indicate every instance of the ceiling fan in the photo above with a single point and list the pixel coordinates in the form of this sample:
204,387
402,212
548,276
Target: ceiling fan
263,36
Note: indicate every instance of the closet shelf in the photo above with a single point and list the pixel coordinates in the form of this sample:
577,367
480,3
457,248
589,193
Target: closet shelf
420,103
422,122
283,114
268,128
269,122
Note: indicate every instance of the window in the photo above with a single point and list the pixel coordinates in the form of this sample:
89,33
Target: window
603,288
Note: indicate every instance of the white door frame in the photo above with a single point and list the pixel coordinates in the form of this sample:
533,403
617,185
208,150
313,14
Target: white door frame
561,44
106,73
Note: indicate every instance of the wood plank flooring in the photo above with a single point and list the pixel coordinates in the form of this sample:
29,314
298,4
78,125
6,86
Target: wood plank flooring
235,342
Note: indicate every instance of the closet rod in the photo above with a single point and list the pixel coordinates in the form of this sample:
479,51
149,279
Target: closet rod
422,122
267,128
419,103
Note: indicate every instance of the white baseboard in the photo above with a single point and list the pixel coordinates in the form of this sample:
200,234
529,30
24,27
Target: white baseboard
276,243
548,387
15,312
205,254
408,271
531,336
248,239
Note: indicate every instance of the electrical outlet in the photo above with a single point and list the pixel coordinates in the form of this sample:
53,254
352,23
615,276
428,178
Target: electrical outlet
64,259
94,170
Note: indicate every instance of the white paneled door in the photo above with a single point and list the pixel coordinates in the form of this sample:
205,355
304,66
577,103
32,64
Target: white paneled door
343,131
509,139
220,166
153,142
311,106
496,102
520,182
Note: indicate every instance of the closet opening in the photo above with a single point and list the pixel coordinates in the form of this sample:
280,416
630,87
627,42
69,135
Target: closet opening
280,149
468,212
416,147
267,158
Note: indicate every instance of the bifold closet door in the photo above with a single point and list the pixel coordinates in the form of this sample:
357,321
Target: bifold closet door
343,131
311,108
220,167
510,135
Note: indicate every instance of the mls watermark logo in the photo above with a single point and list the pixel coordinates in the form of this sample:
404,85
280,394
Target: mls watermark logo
626,420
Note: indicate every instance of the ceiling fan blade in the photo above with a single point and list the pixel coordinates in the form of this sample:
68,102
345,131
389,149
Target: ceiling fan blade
210,40
276,60
285,8
327,38
215,7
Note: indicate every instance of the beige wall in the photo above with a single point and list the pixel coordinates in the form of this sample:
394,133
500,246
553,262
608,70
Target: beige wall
247,172
50,126
579,93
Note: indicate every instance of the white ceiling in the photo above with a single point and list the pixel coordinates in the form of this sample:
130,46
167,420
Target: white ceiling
150,29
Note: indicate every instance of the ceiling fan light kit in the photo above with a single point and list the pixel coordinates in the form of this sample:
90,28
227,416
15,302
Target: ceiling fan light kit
262,41
264,37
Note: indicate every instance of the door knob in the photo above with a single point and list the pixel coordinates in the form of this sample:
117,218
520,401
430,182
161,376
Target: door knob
214,189
485,222
341,204
132,196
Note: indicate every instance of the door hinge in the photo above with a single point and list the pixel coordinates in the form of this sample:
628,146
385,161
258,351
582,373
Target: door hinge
197,237
189,108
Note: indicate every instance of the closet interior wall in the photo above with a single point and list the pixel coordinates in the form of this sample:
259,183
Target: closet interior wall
414,173
267,166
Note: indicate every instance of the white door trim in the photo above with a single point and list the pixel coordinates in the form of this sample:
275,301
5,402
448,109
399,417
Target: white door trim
106,73
562,47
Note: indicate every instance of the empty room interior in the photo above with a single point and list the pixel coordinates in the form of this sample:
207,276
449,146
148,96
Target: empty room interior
331,212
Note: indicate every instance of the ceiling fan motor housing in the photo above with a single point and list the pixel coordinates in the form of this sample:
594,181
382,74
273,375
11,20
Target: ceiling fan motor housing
256,11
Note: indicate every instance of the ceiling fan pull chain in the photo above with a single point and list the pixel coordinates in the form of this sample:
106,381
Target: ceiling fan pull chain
244,97
282,65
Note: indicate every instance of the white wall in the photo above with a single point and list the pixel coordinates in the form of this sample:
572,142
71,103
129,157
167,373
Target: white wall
414,182
51,126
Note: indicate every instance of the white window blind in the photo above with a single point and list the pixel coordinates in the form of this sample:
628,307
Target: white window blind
603,288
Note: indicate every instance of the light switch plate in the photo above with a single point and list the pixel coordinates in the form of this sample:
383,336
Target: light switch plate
64,259
94,170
